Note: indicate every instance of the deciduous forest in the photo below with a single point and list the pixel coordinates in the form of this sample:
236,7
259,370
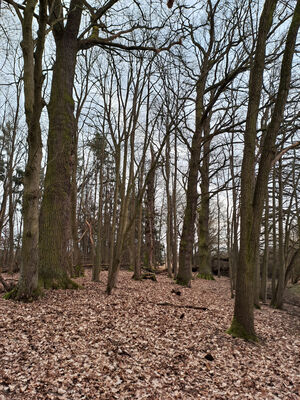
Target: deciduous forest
149,199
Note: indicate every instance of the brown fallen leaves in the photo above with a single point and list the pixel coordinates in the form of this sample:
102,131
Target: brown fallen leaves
85,345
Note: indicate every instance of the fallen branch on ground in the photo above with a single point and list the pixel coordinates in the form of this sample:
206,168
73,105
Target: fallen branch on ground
181,306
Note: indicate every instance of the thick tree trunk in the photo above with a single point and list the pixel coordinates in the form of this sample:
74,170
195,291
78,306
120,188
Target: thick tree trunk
55,220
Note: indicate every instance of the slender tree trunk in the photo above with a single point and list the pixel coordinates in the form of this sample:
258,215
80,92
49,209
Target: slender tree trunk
137,266
169,233
281,262
229,245
186,245
243,320
253,192
27,288
257,280
11,204
174,204
275,256
74,223
203,221
150,209
235,249
218,237
98,259
265,263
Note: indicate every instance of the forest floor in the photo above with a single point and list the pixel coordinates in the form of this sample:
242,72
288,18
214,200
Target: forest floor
142,342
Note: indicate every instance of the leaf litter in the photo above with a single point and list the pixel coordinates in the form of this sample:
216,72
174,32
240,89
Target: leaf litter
144,342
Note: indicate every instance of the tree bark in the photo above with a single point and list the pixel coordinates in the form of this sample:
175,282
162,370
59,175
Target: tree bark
265,263
253,192
27,288
55,219
243,320
203,218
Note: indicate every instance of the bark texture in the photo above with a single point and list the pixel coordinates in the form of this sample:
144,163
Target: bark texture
55,221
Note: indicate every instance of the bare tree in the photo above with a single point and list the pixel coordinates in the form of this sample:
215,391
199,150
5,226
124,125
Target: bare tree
253,191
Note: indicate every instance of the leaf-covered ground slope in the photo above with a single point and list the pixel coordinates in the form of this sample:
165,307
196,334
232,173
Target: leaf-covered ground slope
138,344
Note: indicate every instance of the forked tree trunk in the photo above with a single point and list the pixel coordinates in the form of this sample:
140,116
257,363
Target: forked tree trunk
243,320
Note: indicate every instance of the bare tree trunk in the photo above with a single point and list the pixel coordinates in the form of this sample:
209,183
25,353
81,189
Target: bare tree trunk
253,192
257,280
281,262
243,320
265,263
55,220
27,288
150,210
74,223
99,256
203,221
235,249
11,204
139,216
275,255
229,245
169,233
174,204
218,237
